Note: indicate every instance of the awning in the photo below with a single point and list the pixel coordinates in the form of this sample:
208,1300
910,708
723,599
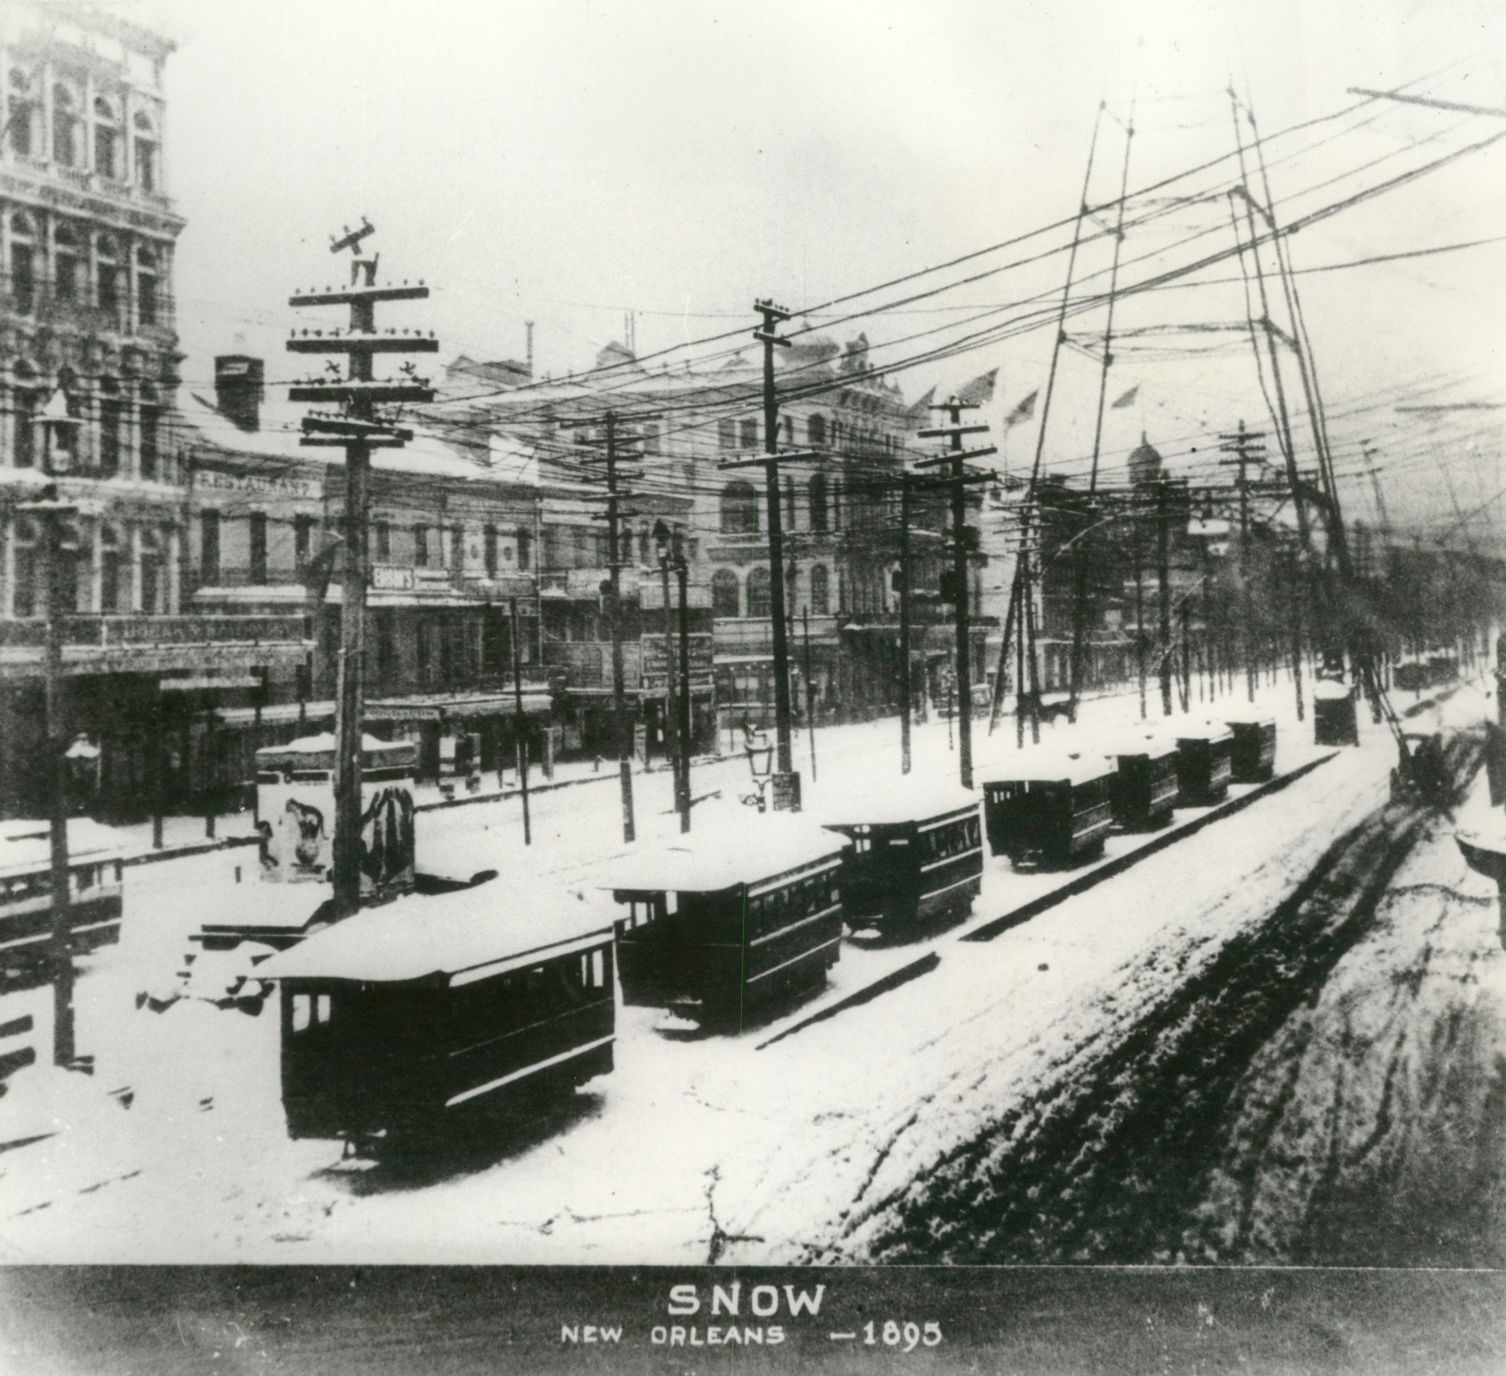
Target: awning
275,714
433,706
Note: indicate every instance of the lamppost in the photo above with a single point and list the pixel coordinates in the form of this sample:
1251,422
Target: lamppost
672,558
52,512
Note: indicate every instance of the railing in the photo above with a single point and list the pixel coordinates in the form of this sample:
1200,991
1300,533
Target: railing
118,632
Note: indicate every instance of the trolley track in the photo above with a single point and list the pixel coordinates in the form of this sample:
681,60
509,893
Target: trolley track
1112,1164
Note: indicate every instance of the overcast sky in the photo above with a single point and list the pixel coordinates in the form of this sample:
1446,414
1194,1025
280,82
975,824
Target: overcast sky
565,162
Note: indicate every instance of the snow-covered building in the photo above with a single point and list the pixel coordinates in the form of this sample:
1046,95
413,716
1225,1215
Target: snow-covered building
88,381
839,513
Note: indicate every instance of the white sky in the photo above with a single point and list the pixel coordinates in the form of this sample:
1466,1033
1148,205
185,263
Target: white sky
565,161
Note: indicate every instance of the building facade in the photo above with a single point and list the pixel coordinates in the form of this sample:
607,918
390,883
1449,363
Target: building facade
92,478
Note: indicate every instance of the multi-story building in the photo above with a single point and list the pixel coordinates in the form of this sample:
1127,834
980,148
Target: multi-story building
453,543
840,512
88,379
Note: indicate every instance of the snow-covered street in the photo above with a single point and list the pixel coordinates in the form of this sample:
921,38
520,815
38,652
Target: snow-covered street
848,1137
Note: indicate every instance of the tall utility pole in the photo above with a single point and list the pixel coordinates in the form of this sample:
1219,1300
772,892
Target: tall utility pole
50,512
1163,587
682,580
676,704
786,783
963,541
904,625
1246,447
622,727
521,744
355,426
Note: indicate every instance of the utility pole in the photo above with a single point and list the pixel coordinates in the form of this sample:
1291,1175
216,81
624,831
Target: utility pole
904,630
1163,587
357,428
51,511
622,728
810,693
676,706
786,782
962,544
682,578
521,745
1246,447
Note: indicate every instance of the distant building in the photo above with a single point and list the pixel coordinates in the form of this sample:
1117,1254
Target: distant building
88,379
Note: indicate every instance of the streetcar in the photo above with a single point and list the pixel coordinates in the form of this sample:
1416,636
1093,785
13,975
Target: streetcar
725,920
94,894
1046,809
916,856
1143,789
409,1022
1252,748
1203,763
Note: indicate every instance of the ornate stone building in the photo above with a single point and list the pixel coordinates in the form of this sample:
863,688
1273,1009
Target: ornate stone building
88,375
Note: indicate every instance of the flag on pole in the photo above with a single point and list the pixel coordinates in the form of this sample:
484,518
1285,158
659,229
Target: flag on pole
1127,398
980,391
1023,411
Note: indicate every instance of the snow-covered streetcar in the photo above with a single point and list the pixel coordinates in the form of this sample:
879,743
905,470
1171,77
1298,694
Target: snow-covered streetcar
1047,809
916,855
406,1020
726,919
1143,791
94,894
1203,753
1252,752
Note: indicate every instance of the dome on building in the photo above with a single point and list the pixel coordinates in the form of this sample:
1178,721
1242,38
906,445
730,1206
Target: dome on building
1144,462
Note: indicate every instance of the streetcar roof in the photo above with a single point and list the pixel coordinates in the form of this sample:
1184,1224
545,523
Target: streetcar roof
744,850
420,936
1045,763
26,844
1331,689
1203,731
1154,743
1249,716
900,799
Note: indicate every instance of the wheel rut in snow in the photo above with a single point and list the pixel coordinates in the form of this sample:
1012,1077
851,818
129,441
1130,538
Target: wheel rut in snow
1131,1161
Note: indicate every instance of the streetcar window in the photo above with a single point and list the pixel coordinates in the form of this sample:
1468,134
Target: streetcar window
301,1005
322,1008
598,969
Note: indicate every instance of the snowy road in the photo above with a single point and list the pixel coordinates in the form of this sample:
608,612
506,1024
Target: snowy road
828,1144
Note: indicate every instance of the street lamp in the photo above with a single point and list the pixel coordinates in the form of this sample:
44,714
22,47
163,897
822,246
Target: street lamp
52,422
667,546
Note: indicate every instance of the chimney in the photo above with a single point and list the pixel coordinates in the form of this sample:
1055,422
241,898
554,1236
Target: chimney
238,389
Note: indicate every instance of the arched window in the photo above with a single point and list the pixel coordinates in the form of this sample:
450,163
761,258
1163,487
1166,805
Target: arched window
109,427
818,502
791,598
739,509
525,547
107,275
23,263
64,126
67,266
153,582
148,303
149,422
724,593
106,140
25,400
836,434
111,557
820,591
21,113
836,505
815,431
146,153
758,593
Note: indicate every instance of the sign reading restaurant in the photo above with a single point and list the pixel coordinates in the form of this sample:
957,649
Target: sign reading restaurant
268,484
